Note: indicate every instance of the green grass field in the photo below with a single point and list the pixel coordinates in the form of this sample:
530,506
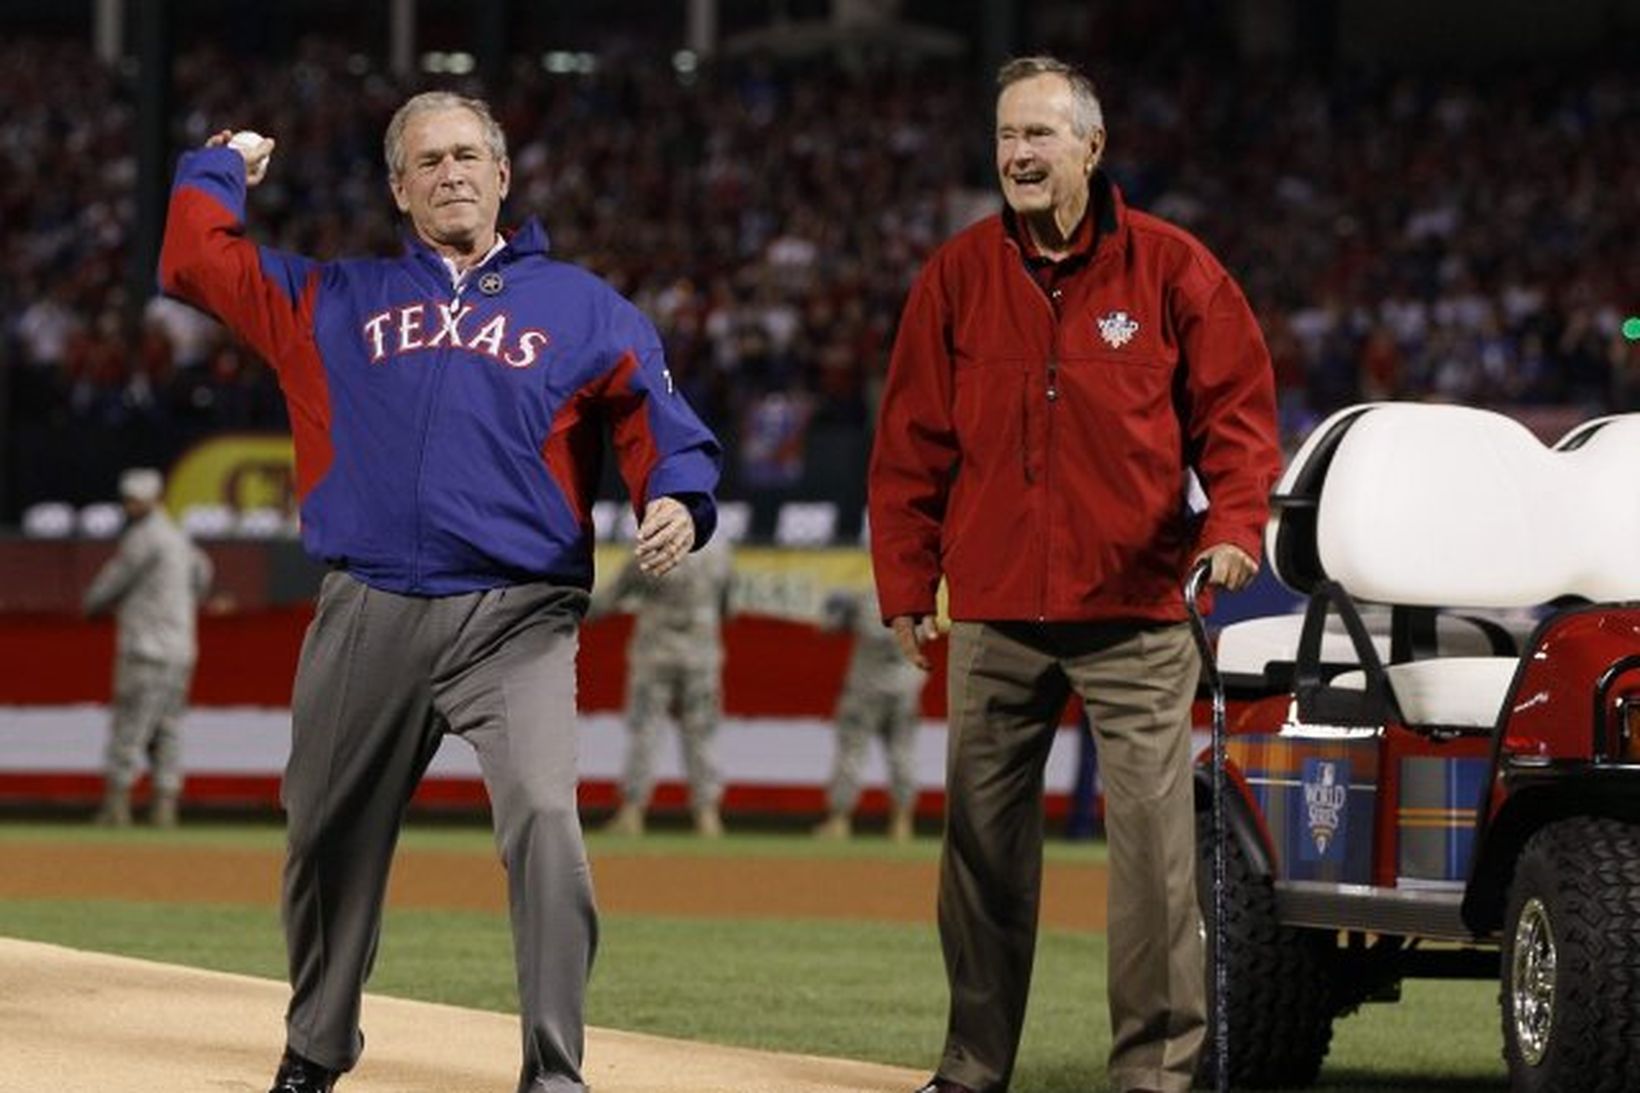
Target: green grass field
858,990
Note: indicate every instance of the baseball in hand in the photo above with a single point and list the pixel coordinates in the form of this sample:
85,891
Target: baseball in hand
256,150
246,141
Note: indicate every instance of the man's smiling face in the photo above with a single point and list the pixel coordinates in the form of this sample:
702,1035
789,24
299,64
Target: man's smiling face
450,182
1041,162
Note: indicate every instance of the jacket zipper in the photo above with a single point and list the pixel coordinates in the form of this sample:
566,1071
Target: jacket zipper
1047,472
1104,251
1052,380
440,363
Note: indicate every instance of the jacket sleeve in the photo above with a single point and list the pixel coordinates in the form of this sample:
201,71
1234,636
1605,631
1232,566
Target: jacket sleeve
913,456
662,448
1233,437
118,575
262,295
201,572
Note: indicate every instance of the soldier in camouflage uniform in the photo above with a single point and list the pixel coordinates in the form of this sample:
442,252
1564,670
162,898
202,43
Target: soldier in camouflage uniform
674,666
880,698
153,584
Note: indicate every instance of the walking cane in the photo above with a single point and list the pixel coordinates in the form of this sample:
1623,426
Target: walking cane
1210,670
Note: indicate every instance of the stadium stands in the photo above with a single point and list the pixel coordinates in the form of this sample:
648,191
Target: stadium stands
1461,238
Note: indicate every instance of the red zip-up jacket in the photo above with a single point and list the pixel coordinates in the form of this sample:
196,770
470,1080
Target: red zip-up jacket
1037,460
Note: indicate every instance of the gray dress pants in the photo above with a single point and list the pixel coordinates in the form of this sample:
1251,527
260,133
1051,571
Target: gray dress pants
382,678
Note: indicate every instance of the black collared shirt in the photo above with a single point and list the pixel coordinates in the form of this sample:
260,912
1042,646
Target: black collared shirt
1051,272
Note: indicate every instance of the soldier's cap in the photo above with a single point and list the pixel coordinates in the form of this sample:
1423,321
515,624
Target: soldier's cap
141,484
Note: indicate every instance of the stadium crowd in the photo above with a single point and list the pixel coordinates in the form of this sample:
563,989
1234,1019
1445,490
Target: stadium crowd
1400,236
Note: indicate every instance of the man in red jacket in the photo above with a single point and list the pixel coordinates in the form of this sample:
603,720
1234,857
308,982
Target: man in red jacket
1059,369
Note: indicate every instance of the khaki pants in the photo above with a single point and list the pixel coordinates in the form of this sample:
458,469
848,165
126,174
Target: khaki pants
1009,683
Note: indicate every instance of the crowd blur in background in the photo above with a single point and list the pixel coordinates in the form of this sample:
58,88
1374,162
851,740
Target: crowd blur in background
1431,235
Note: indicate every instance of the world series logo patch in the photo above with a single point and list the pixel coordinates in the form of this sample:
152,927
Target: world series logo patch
1117,328
1326,789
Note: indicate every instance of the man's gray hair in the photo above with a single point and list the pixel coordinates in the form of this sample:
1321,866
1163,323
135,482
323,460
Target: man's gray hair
428,101
1086,113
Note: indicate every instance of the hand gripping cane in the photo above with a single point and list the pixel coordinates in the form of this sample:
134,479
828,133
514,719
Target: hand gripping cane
1210,671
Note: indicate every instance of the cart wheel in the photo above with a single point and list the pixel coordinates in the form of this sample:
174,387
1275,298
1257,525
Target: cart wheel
1282,1000
1570,995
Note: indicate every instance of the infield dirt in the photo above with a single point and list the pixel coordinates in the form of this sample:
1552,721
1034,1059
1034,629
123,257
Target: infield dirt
882,890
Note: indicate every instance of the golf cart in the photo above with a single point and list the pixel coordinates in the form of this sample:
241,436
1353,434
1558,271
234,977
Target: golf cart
1434,771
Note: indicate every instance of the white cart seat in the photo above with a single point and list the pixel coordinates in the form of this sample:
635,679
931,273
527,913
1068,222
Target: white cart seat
1455,692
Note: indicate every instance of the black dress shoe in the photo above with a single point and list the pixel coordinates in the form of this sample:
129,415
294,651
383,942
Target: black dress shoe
299,1075
944,1085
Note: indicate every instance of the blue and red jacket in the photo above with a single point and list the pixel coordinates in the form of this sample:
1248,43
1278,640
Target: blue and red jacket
446,440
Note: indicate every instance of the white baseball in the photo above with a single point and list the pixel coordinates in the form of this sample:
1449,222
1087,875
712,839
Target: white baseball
246,141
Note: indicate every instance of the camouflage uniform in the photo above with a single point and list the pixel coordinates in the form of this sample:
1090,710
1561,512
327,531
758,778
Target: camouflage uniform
674,668
153,583
880,698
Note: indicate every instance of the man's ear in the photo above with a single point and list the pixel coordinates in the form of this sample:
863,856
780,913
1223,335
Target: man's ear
400,198
504,168
1096,149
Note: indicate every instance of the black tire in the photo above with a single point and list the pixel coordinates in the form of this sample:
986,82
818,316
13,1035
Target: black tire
1570,997
1281,1001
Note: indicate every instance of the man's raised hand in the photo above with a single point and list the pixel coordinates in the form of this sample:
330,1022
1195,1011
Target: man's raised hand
253,147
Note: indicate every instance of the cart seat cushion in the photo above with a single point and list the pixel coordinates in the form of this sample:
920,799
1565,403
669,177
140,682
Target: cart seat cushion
1249,648
1437,505
1455,692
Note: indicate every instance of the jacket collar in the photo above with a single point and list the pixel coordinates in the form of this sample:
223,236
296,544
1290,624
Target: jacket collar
529,238
1106,210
